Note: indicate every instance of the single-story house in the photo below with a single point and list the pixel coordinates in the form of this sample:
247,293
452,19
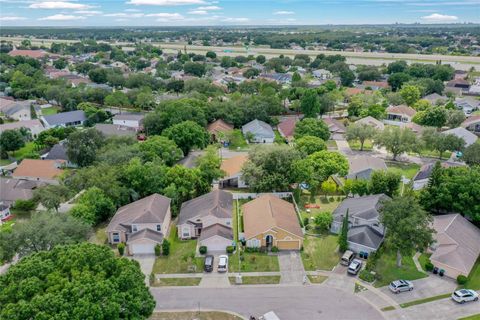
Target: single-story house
218,129
362,167
213,208
262,132
396,115
16,109
110,130
141,224
12,189
461,84
420,180
460,74
65,119
365,232
336,127
463,133
467,105
435,99
376,85
39,170
130,120
286,127
322,74
233,172
35,126
216,237
354,91
269,221
472,124
59,152
281,78
457,245
371,121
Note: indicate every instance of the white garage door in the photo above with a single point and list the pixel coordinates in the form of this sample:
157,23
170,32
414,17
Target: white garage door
217,244
142,248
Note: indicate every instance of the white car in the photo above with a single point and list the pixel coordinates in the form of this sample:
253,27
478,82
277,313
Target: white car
354,266
223,263
400,286
464,295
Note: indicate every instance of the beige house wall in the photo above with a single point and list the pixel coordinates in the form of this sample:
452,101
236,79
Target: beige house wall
282,239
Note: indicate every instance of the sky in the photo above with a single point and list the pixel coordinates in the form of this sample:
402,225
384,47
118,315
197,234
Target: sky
233,12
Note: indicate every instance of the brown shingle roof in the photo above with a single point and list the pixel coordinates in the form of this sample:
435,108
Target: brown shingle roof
217,203
36,54
46,169
404,110
219,126
287,126
267,212
380,84
216,229
233,165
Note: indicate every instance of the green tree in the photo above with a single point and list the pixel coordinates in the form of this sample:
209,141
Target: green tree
310,104
384,182
433,117
329,187
82,146
323,220
187,135
310,144
11,140
312,127
343,237
93,206
360,132
397,140
211,55
162,148
441,142
410,94
455,118
209,164
260,59
408,226
51,196
117,99
193,68
347,77
396,80
471,154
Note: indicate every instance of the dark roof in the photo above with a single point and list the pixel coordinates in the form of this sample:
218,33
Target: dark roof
65,117
129,116
217,203
58,152
115,130
146,234
365,207
426,170
365,235
216,230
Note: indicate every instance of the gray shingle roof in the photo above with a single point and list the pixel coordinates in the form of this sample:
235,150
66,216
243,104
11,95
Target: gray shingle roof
366,207
58,152
259,129
129,116
463,133
217,230
217,203
65,117
114,130
146,234
366,236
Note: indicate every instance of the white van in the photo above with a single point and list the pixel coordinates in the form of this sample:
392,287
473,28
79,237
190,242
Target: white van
347,258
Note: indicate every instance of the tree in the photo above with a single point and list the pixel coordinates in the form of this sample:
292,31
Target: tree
397,140
471,155
82,146
251,73
323,220
347,77
386,182
312,127
441,142
209,165
360,132
161,148
93,207
81,281
60,63
296,77
310,144
196,69
51,196
117,99
42,232
397,66
211,55
11,140
433,117
329,187
175,86
343,237
396,80
408,226
310,104
327,103
410,94
260,59
455,118
187,135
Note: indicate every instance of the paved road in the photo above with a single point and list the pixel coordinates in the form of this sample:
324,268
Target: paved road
288,302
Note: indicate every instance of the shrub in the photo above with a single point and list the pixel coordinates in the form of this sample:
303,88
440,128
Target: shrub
24,205
429,266
306,221
371,261
461,279
274,249
165,247
230,249
202,249
366,276
121,248
158,250
250,250
331,199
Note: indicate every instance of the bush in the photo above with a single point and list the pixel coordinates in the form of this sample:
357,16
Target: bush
306,221
366,276
250,250
371,261
24,205
429,266
165,247
274,249
158,250
202,249
461,279
230,249
121,248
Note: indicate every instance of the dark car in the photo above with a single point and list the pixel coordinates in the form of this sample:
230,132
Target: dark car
208,267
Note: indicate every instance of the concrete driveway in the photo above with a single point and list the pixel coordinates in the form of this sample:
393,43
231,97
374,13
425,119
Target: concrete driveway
423,288
146,262
291,267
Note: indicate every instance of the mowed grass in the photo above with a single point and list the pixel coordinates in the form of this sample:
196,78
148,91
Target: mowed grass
176,282
388,271
253,262
472,317
474,277
26,150
189,315
320,253
426,300
423,259
408,170
181,258
49,111
317,279
257,280
324,204
355,145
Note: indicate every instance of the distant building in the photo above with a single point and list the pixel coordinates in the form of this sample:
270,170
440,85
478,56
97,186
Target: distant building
219,128
396,115
65,119
35,126
262,132
130,120
472,124
16,109
35,54
39,170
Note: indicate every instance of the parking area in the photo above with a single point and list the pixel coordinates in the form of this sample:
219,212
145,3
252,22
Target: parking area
291,267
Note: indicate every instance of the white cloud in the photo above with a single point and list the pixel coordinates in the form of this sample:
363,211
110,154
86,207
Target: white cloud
59,5
209,8
12,18
165,16
88,12
131,10
198,12
236,20
436,17
62,17
124,15
164,2
283,13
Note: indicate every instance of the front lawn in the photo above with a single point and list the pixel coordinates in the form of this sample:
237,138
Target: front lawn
257,280
253,262
408,170
176,282
182,256
387,270
99,236
49,111
474,277
355,145
25,151
236,140
320,253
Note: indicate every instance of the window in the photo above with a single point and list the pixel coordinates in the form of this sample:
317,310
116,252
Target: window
159,227
116,237
227,223
185,232
134,228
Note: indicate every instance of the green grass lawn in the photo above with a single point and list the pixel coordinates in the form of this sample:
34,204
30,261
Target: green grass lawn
325,204
26,150
405,169
182,256
320,253
423,259
49,111
388,271
474,277
253,262
421,301
472,317
317,279
433,154
4,162
237,141
278,138
177,282
257,280
234,221
355,145
99,236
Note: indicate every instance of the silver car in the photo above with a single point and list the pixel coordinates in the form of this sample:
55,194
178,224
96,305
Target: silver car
223,263
464,295
354,266
400,286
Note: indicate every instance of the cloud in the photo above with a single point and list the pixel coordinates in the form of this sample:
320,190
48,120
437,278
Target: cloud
12,18
436,17
209,8
124,15
131,10
165,16
283,13
236,20
59,5
198,12
88,12
62,17
165,2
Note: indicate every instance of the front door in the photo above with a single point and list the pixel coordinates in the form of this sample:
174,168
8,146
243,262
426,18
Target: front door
269,241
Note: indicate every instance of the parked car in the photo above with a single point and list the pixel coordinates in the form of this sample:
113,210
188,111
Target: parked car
208,266
223,263
347,258
354,266
400,286
464,295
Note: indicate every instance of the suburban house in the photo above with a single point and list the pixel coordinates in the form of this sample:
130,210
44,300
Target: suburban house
269,221
456,246
458,84
39,170
35,54
141,224
322,74
396,115
218,129
376,85
4,212
354,91
468,106
65,119
16,109
371,121
463,133
261,132
362,167
280,78
210,213
460,74
35,126
59,152
233,172
435,99
365,232
336,127
286,127
472,124
420,180
12,189
110,130
130,120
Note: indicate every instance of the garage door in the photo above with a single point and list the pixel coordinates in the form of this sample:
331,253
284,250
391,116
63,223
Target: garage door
217,244
288,245
142,248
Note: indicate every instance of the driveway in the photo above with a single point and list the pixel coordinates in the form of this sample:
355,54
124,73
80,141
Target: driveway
291,267
146,262
343,146
423,288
